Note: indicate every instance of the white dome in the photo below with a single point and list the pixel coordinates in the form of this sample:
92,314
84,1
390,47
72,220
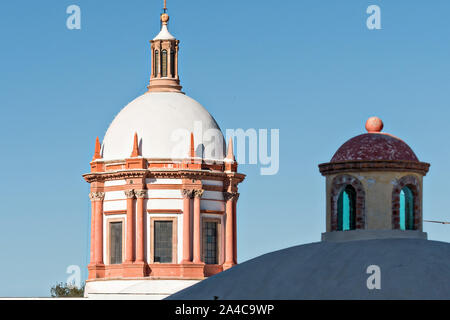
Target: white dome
164,34
163,122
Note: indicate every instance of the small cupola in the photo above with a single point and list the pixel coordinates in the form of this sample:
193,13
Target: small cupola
374,186
164,47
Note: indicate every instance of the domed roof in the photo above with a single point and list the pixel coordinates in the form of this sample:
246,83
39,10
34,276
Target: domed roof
163,122
164,34
374,145
410,269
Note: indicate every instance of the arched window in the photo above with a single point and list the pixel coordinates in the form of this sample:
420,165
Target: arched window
406,204
406,209
346,215
347,207
164,64
172,62
156,63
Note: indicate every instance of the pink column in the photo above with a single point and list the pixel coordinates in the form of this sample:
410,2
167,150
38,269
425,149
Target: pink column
169,62
92,256
152,73
129,244
140,223
187,238
197,240
98,204
229,226
235,229
160,59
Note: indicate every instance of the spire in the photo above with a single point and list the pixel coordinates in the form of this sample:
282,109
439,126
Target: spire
192,147
135,152
230,153
164,75
98,147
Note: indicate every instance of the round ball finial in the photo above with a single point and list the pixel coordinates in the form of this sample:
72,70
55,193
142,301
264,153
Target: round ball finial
164,18
374,125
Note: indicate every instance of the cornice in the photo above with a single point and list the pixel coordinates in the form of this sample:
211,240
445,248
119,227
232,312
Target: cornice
375,165
162,174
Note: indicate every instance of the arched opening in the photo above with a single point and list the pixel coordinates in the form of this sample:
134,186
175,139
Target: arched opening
346,215
406,209
347,204
156,63
172,63
164,64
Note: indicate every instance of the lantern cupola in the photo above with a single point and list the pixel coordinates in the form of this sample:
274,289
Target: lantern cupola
164,75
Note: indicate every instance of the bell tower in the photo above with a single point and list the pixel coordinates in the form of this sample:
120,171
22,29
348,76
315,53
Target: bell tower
164,74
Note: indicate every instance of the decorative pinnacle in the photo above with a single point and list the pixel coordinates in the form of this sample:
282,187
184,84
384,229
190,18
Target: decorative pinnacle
135,152
230,152
192,147
97,154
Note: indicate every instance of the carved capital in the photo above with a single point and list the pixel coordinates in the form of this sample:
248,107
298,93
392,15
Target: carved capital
130,194
97,196
140,194
198,193
234,196
187,193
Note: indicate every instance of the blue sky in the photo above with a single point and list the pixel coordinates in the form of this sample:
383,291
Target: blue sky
309,68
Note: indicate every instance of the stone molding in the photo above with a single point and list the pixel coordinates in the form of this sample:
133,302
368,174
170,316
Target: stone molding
140,194
198,193
130,194
376,165
97,196
187,193
144,173
231,196
354,235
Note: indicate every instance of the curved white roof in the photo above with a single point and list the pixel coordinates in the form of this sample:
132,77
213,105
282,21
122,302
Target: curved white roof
163,122
164,34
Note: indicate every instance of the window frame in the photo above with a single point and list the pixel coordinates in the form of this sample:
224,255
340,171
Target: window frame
218,222
414,185
164,63
172,62
156,57
337,184
174,221
108,239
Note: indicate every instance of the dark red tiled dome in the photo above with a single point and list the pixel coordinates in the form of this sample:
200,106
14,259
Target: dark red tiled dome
374,146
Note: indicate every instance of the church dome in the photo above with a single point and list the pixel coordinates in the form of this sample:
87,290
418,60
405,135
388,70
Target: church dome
409,269
163,122
374,145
